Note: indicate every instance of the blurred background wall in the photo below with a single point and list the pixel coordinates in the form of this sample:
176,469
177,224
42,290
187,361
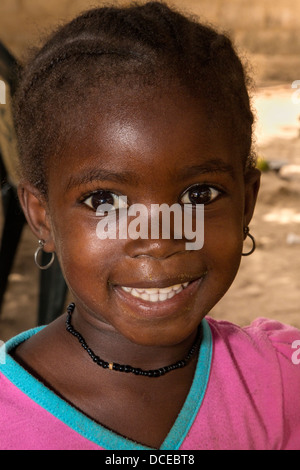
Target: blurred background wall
267,31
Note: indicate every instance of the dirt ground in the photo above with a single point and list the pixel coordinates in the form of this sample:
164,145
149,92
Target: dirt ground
268,282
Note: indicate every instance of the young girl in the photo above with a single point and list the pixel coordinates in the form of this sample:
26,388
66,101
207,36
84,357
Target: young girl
143,105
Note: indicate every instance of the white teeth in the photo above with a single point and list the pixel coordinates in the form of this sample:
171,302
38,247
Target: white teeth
127,289
156,294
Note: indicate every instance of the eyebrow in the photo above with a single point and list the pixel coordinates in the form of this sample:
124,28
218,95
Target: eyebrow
128,177
211,166
100,174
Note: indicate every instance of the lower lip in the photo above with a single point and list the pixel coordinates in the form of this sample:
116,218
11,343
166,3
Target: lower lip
161,308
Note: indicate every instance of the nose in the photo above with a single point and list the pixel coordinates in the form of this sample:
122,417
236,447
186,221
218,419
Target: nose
157,249
155,231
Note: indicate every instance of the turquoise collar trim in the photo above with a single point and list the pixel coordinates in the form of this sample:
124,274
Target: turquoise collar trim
93,431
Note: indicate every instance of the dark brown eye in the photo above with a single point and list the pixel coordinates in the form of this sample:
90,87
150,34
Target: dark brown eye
104,197
200,194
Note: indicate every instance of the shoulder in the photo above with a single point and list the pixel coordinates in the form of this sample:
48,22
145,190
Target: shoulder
39,353
12,373
37,349
266,350
17,340
265,355
261,334
251,397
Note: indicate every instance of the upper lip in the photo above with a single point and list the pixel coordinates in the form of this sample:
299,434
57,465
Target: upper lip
158,284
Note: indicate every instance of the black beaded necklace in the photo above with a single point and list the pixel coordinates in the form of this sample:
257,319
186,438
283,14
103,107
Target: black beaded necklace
126,368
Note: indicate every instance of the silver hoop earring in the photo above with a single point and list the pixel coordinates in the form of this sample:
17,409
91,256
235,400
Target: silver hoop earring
248,234
36,256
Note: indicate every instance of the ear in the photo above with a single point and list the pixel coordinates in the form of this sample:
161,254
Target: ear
252,183
35,208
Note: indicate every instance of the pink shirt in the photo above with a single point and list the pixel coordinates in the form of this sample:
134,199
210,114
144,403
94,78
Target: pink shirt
245,396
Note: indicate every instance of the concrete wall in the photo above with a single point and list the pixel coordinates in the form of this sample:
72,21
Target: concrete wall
267,30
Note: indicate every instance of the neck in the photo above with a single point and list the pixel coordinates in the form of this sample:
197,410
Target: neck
110,350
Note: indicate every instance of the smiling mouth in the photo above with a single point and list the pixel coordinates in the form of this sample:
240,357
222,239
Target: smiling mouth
155,294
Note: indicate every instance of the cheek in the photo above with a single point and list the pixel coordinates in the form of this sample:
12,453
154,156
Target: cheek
223,242
221,255
85,259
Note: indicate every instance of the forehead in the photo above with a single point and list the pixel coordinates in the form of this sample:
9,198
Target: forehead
147,120
165,130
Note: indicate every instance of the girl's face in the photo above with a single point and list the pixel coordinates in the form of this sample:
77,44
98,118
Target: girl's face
153,150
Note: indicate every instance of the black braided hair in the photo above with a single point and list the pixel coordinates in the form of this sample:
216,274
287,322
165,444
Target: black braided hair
105,48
